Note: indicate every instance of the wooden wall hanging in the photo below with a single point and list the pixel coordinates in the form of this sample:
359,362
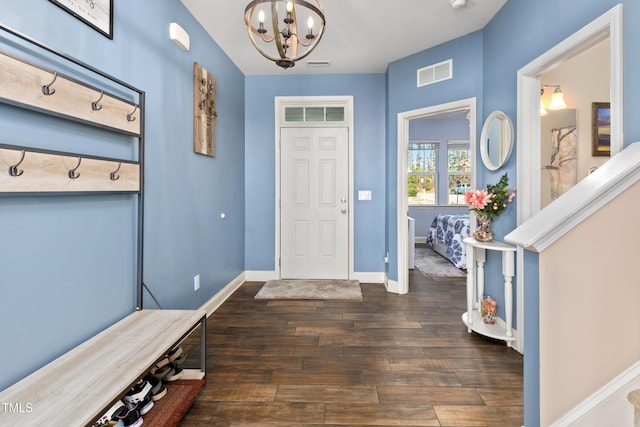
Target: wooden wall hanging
204,111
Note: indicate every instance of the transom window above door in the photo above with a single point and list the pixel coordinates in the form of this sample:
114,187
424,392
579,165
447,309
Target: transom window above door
314,114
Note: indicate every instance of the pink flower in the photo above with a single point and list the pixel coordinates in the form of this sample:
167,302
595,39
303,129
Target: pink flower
477,199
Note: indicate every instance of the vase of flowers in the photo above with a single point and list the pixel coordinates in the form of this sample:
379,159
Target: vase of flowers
488,205
483,232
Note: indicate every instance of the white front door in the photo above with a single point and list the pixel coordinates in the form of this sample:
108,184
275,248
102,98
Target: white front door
314,216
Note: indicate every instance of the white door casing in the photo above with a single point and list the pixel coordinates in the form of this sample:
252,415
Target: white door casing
314,195
401,286
281,103
608,25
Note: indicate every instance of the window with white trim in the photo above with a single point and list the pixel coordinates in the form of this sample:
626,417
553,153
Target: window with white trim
458,170
423,172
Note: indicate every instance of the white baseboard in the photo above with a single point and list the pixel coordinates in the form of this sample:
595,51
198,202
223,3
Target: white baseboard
421,239
260,275
363,277
391,285
216,301
369,277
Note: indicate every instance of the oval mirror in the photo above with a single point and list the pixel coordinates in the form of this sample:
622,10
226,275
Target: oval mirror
496,140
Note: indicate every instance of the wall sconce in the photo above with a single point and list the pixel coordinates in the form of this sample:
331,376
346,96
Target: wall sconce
543,111
557,98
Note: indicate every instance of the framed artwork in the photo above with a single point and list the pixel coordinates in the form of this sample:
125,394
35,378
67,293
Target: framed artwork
97,14
204,111
600,129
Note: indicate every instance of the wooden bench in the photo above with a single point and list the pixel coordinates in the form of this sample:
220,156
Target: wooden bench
79,386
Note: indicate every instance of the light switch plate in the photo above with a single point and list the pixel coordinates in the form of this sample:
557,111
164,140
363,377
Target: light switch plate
364,195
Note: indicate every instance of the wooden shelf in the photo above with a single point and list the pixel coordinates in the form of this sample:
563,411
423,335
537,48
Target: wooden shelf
79,386
49,172
492,331
21,83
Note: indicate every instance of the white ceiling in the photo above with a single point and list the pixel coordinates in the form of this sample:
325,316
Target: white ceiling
362,36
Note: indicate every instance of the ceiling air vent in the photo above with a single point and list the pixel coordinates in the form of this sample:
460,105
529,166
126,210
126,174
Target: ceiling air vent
435,73
320,63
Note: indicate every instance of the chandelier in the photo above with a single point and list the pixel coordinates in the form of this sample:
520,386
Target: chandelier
277,37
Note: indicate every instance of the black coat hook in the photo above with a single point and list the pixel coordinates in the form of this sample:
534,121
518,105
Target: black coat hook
113,175
95,106
72,172
130,117
13,169
46,89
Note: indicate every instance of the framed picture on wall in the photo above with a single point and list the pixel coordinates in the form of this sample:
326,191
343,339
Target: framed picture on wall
97,14
204,111
600,129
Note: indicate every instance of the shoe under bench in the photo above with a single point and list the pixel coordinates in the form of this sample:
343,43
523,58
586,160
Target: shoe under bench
79,386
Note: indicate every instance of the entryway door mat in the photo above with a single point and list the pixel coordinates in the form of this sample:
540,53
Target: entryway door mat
311,289
171,409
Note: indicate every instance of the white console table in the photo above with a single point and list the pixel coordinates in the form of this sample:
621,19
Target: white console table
476,256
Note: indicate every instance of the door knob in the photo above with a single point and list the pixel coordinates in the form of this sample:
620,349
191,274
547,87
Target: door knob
343,200
344,211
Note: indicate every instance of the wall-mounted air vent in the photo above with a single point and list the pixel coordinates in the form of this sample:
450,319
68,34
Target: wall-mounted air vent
435,73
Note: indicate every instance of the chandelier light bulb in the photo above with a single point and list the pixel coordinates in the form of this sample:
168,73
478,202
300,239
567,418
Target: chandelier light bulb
261,16
310,23
289,7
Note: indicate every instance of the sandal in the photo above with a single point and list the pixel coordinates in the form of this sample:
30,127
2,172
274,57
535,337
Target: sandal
164,361
158,390
175,373
180,359
173,354
160,373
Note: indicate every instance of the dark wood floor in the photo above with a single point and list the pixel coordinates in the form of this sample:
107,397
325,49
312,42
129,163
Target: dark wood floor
389,360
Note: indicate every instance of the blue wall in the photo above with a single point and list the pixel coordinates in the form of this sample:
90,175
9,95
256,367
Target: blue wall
518,34
369,153
52,299
403,95
67,263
